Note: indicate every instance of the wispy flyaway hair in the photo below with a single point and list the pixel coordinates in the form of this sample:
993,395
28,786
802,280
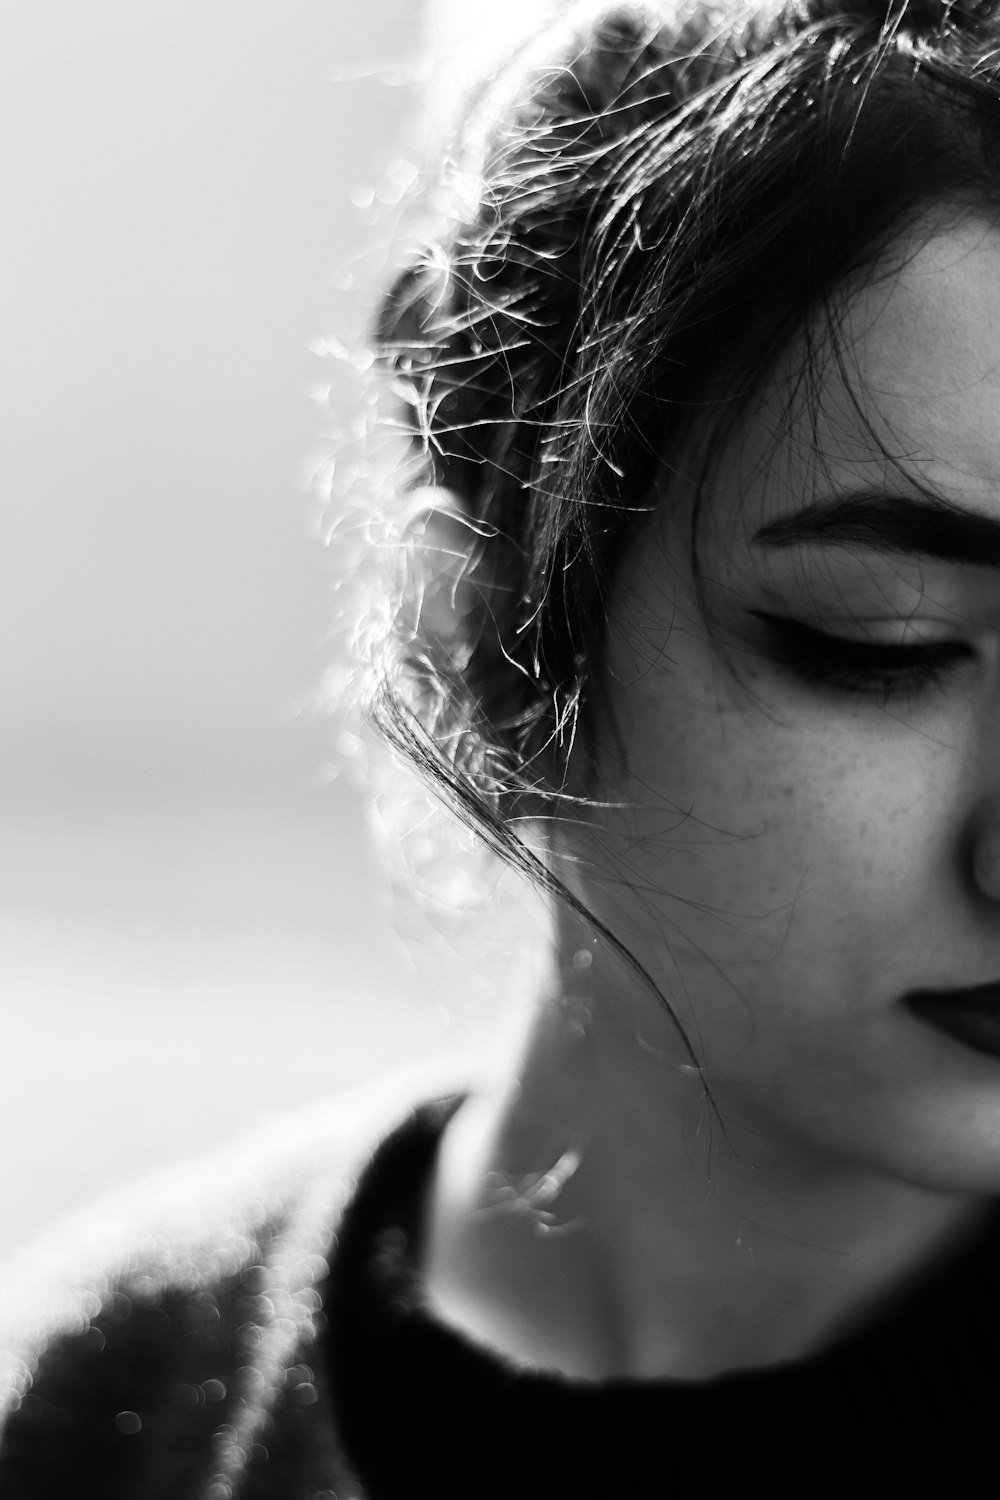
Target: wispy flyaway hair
640,211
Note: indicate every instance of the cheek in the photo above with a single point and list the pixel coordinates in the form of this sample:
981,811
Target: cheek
767,837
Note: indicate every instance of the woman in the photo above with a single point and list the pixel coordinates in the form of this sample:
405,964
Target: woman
701,630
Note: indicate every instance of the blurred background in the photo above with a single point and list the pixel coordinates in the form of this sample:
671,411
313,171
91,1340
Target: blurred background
194,931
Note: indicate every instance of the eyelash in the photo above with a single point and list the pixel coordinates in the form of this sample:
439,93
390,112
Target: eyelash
860,668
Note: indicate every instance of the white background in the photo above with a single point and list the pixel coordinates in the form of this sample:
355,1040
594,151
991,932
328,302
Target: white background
193,934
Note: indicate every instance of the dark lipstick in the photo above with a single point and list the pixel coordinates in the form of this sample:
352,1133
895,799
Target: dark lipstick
970,1016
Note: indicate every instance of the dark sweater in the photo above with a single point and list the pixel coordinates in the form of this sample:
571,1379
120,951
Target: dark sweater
265,1339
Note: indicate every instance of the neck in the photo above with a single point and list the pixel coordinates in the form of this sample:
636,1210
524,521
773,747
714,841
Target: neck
593,1214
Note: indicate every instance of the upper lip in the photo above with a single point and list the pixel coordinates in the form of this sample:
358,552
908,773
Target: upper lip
976,994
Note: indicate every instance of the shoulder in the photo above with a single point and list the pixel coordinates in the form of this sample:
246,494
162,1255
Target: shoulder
157,1332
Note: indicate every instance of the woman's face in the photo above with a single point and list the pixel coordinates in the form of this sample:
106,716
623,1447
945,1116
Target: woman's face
804,739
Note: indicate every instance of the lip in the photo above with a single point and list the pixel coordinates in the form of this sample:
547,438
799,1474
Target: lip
970,1016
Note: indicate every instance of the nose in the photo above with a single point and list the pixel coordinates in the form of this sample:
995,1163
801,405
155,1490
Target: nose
986,848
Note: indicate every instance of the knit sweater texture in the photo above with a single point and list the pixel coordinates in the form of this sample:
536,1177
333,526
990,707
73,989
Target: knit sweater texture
168,1343
255,1330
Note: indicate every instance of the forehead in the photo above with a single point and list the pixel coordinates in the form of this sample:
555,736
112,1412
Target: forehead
923,363
899,390
896,394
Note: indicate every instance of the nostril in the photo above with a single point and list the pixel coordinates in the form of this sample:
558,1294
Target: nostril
986,852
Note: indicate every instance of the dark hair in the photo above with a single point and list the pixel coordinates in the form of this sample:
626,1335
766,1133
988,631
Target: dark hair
654,200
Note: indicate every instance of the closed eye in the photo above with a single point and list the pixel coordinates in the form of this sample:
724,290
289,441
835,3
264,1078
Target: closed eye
866,669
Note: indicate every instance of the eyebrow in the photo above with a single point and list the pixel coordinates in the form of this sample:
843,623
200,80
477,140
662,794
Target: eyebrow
891,523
